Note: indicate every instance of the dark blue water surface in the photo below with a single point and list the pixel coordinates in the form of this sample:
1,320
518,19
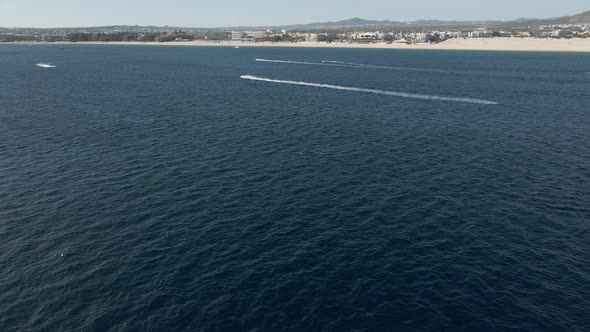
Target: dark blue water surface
152,189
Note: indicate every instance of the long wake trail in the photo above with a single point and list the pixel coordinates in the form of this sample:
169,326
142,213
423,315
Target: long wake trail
365,65
348,65
304,63
374,91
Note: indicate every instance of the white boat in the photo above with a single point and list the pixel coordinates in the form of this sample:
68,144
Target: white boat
45,65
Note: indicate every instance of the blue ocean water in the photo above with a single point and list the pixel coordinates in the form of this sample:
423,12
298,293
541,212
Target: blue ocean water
153,189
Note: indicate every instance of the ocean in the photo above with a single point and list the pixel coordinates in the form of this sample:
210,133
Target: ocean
148,188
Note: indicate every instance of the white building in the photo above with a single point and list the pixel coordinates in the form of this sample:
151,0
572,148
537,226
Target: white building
237,35
523,34
421,37
481,34
311,37
247,35
553,34
367,35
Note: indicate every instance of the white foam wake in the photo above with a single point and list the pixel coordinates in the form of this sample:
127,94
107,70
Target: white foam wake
366,65
301,63
348,65
375,91
45,65
344,63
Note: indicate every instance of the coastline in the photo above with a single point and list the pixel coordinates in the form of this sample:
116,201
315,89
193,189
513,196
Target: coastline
472,44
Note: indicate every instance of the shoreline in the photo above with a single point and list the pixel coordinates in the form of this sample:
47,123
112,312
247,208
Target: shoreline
472,44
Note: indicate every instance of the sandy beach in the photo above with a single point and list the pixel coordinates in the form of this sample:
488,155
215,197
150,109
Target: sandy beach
483,44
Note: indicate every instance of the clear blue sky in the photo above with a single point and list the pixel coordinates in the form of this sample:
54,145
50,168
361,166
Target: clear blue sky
216,13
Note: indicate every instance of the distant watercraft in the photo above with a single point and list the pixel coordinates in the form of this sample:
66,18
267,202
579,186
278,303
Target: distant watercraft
237,47
45,65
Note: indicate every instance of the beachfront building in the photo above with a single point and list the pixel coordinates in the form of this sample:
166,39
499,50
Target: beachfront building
553,34
421,37
452,34
437,35
311,37
523,34
481,34
237,35
367,35
247,35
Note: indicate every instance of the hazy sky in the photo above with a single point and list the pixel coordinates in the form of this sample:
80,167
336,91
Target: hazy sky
212,13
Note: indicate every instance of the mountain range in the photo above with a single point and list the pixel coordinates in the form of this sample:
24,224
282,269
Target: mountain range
358,22
344,24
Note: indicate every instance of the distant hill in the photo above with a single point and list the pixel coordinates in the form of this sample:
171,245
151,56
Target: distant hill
361,23
355,22
580,18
